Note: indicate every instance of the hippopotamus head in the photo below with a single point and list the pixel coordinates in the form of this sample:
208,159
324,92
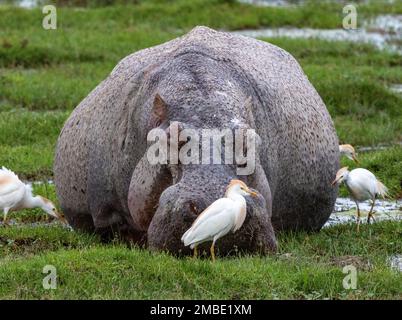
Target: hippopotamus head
196,145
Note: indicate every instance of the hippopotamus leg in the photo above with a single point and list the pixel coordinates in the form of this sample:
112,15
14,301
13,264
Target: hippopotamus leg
109,217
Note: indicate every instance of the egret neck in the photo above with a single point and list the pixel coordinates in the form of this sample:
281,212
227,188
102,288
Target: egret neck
34,202
240,215
233,194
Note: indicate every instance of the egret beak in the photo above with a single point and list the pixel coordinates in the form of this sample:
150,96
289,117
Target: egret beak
354,158
252,193
61,217
334,182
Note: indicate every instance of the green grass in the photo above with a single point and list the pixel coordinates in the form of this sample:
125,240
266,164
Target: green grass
353,81
230,13
51,88
45,74
306,267
27,141
27,241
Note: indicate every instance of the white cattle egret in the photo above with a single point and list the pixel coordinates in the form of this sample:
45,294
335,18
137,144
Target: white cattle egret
348,151
362,185
222,216
15,195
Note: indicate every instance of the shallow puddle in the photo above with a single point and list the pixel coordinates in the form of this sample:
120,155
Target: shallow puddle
395,262
345,211
384,32
23,3
378,147
272,3
396,88
39,182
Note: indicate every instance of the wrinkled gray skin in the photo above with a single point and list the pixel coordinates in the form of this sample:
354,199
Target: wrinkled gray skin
205,79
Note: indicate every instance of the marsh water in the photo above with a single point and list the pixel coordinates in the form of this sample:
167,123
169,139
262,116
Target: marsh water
395,262
345,211
384,32
22,3
272,3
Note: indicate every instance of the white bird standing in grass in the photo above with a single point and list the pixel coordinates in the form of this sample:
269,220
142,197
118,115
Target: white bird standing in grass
362,185
348,151
15,195
222,216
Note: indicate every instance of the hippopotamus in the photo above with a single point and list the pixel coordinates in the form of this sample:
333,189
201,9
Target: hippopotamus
204,79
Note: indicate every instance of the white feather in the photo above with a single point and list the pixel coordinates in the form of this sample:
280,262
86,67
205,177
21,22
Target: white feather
16,195
221,217
362,184
211,221
12,190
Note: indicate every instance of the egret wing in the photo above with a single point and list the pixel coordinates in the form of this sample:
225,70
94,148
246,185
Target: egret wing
12,190
363,183
216,207
211,221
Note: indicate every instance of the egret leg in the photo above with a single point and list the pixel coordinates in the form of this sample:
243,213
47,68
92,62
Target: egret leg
213,251
370,214
195,252
358,217
5,221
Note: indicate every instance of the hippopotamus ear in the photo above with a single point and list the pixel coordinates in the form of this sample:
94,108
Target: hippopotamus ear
159,110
